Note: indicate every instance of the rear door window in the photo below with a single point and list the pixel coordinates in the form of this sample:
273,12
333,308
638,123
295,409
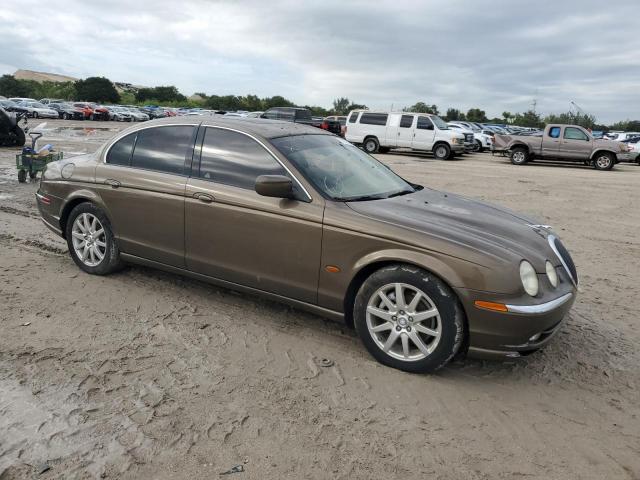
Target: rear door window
163,149
235,159
406,121
120,152
374,118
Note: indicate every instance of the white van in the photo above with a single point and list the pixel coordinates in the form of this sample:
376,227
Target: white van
382,131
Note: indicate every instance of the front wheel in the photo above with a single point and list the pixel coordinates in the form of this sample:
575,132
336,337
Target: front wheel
22,176
91,241
371,145
66,116
442,152
604,161
480,148
519,156
409,319
35,115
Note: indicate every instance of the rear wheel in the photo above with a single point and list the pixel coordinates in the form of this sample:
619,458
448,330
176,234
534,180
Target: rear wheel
22,176
35,115
371,145
20,137
442,152
32,175
604,161
409,319
519,156
91,241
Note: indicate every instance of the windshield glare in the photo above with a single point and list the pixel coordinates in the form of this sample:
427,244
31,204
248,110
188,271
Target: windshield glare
340,170
441,124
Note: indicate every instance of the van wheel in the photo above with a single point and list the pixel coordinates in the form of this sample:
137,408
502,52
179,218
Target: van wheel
371,145
409,319
442,152
519,156
604,161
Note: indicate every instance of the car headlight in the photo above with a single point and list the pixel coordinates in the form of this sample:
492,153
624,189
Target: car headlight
529,278
552,275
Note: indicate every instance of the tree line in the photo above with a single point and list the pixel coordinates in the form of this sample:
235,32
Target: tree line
102,90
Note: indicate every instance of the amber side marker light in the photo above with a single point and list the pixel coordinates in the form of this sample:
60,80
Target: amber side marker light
496,307
332,269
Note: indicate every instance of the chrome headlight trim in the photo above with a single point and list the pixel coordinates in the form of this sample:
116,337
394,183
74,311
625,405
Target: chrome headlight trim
551,239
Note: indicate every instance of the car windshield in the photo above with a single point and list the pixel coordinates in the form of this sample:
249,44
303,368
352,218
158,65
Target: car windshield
340,170
441,124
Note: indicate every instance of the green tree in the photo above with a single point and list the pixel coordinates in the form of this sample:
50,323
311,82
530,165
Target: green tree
12,87
277,101
507,116
96,89
476,115
357,106
454,114
572,118
422,107
341,106
161,94
627,125
528,119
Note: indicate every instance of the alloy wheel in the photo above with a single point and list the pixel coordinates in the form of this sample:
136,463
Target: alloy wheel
403,322
603,162
89,239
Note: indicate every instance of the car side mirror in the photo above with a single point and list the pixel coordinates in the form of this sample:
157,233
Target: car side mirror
278,186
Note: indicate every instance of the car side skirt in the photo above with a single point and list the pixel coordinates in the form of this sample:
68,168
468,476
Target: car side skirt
315,309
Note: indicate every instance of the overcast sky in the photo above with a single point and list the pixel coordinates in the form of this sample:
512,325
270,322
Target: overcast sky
494,54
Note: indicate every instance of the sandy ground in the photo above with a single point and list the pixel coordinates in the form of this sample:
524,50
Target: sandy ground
144,374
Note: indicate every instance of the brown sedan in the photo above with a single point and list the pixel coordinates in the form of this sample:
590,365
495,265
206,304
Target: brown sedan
304,217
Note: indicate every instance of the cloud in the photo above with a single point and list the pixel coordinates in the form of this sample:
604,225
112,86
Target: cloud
494,54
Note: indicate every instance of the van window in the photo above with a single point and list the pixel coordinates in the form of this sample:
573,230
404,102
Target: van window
163,149
406,121
424,123
353,116
374,118
232,158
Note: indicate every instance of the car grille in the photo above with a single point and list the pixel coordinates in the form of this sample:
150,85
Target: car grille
565,258
468,137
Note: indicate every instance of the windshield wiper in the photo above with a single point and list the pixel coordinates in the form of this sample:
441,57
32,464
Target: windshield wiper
401,192
361,198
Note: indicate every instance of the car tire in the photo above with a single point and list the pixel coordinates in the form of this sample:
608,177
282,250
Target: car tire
480,148
390,330
35,115
33,175
442,152
519,156
604,161
22,176
66,116
371,145
20,136
101,255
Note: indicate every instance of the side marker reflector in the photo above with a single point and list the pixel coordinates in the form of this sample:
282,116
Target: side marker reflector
496,307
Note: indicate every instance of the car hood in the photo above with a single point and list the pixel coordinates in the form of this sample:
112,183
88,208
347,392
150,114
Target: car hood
475,226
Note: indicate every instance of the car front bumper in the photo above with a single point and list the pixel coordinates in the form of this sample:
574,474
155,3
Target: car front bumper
523,329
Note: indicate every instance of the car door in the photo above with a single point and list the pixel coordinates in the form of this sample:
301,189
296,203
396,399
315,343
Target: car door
234,234
405,131
142,183
423,134
392,132
550,145
575,144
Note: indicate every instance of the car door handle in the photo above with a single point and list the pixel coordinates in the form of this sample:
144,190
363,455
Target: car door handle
203,197
112,182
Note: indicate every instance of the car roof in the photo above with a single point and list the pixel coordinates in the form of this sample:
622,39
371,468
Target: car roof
255,126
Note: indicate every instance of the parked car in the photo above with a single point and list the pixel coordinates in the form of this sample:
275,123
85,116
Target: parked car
67,111
47,101
100,112
35,110
422,275
481,139
382,131
565,143
257,114
22,99
622,136
119,114
470,144
137,115
633,155
8,105
336,124
289,114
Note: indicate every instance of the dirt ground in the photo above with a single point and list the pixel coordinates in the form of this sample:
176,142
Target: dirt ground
144,374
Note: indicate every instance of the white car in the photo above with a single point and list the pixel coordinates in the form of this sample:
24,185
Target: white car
622,136
470,144
482,140
38,110
381,131
137,115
